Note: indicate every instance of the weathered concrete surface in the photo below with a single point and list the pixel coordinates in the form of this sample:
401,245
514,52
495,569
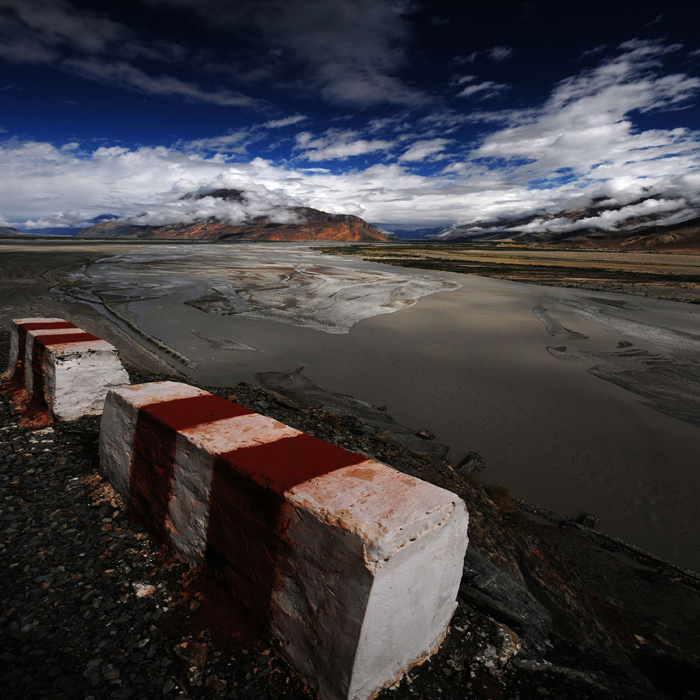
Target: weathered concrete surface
118,426
353,566
18,335
369,584
63,370
70,371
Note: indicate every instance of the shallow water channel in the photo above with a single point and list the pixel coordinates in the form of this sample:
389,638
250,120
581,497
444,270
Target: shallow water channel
578,401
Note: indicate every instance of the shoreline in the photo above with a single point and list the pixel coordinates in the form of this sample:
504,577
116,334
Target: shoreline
574,609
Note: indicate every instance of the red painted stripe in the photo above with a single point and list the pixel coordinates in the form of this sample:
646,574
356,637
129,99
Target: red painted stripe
285,463
37,367
180,414
245,501
242,540
22,328
246,493
45,325
151,474
153,456
63,338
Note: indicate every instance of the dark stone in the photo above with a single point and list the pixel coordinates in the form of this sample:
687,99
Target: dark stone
496,593
425,435
472,463
588,519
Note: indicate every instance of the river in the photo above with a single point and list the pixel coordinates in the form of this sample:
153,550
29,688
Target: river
577,401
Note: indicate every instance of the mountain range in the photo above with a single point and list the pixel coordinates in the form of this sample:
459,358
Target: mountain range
305,224
639,225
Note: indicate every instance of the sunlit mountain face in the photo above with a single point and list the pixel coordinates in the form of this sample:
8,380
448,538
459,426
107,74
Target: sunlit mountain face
415,116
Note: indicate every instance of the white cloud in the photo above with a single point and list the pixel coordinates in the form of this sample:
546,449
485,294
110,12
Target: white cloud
232,142
581,143
256,201
337,145
421,150
495,53
500,53
62,220
286,121
585,124
487,89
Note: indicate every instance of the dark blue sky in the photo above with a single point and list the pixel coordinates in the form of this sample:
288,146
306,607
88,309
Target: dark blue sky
416,112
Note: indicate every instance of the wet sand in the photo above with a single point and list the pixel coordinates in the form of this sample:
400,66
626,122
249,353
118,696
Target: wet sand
533,378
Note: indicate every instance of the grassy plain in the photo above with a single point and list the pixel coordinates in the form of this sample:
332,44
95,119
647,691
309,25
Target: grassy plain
661,275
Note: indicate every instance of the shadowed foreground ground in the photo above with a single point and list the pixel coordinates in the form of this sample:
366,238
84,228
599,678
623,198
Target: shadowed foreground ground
94,609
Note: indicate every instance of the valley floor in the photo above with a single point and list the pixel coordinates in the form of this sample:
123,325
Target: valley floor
673,276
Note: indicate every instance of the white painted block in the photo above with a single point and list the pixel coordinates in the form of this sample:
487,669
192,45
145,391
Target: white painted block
197,448
30,371
15,365
354,566
370,578
118,424
65,369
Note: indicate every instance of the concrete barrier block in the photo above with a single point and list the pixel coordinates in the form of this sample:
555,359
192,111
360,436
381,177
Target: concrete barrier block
118,426
352,566
369,578
62,368
18,339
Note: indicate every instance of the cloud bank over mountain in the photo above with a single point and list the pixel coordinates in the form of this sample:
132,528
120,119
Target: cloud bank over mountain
333,111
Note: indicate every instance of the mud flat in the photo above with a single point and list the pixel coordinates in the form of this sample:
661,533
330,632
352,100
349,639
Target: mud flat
674,276
578,401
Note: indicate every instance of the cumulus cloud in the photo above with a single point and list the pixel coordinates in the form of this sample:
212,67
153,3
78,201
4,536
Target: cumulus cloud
580,144
256,201
40,179
63,220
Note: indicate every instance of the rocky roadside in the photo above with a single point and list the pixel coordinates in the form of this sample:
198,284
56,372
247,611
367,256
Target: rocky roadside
93,609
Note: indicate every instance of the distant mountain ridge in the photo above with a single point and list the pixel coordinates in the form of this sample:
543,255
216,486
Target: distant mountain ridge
642,230
310,225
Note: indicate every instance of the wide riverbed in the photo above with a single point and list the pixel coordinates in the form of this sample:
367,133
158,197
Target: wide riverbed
578,401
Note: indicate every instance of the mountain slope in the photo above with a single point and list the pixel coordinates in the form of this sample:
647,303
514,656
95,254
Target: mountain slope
639,225
305,224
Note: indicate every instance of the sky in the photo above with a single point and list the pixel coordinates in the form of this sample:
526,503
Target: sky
415,113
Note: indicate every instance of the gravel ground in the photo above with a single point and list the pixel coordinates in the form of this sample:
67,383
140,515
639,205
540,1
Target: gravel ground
94,609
